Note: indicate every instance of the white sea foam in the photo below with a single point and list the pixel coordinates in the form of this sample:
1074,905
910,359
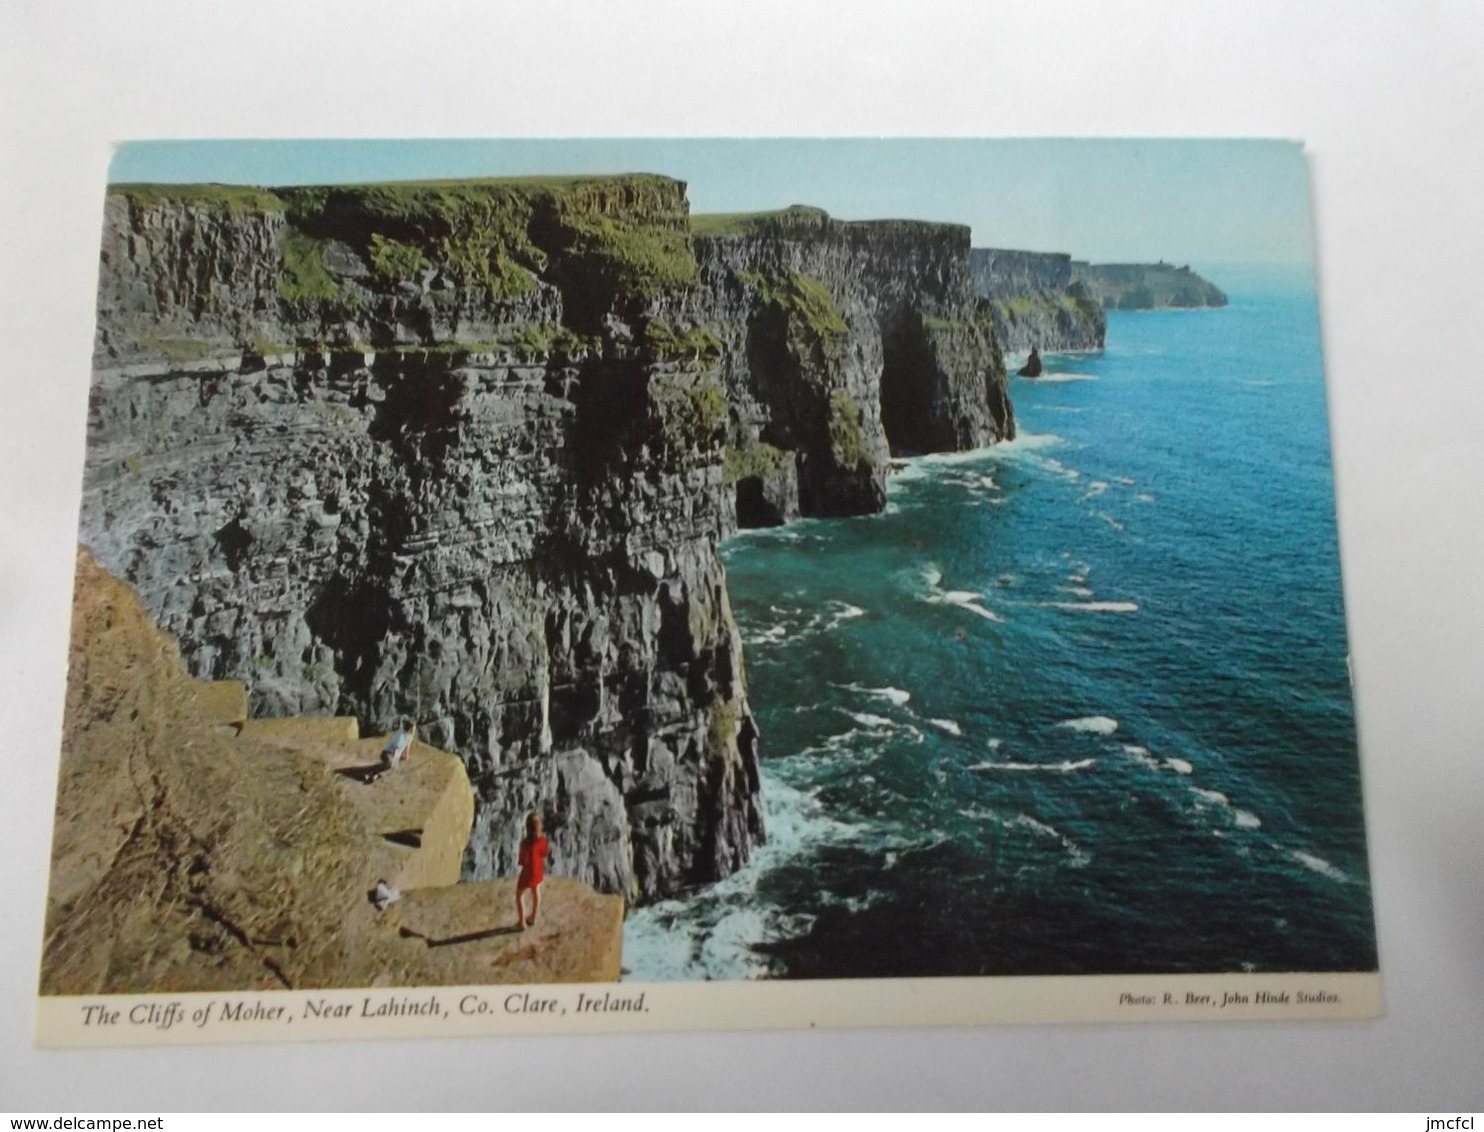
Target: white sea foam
1318,864
1062,378
964,599
790,626
1124,480
1093,606
1141,755
1061,469
1246,819
1025,821
1079,857
1058,768
891,695
910,472
994,743
714,935
1095,489
1214,797
1024,444
1112,522
947,725
771,635
1179,766
865,719
877,727
1075,591
843,611
1090,725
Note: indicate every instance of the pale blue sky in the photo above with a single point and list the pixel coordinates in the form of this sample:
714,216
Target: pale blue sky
1185,201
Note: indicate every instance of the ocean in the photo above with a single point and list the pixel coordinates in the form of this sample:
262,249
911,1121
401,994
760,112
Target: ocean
1074,704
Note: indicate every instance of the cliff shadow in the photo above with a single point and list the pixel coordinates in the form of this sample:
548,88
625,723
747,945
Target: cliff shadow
453,940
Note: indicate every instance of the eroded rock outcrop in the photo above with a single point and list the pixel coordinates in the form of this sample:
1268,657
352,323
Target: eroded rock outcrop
841,344
1145,286
194,850
1035,303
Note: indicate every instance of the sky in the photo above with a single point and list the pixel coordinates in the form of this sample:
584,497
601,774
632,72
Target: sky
1183,201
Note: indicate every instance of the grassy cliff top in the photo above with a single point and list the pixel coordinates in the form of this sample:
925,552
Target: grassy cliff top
626,233
803,220
753,223
274,198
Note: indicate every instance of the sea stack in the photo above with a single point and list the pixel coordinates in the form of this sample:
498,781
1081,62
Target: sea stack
1032,367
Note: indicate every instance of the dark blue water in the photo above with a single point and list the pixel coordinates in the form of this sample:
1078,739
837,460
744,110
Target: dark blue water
1077,704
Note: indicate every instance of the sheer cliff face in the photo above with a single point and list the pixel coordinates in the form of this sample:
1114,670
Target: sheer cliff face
464,451
411,450
842,344
1033,301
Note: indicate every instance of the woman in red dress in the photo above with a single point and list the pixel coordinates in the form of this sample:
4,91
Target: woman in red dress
533,852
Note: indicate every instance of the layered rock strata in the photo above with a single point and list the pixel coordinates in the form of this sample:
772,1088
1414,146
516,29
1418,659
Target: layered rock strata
196,850
1145,286
1035,303
464,451
409,450
840,345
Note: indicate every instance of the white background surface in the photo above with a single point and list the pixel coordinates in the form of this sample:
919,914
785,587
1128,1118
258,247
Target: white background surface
1387,96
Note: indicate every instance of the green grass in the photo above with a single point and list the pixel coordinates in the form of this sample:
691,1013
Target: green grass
303,278
394,261
847,443
498,234
229,198
663,341
693,414
755,460
813,318
176,349
777,221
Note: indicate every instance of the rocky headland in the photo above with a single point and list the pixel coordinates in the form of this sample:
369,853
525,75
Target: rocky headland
1035,303
196,849
1145,286
842,344
465,450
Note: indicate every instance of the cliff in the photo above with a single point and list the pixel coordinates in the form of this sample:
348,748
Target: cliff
1034,302
410,449
196,850
464,451
841,344
1145,286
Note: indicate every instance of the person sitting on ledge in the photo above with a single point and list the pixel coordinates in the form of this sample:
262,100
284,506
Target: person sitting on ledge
533,850
397,747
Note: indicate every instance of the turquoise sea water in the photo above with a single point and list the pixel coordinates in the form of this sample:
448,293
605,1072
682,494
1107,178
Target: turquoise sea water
1075,704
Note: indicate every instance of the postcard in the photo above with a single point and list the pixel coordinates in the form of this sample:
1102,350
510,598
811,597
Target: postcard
596,586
